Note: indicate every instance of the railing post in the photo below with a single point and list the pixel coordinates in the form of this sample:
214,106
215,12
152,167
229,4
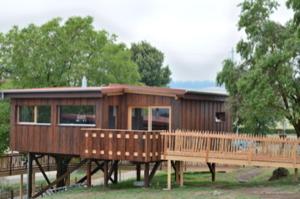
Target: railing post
250,153
295,154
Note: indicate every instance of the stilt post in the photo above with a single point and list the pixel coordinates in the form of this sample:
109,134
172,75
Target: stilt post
88,173
21,186
146,175
115,181
138,171
181,173
169,174
105,171
29,176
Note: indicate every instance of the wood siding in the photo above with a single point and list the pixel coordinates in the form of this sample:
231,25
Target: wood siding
187,114
200,115
54,138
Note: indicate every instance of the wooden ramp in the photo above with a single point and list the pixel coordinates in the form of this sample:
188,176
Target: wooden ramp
229,148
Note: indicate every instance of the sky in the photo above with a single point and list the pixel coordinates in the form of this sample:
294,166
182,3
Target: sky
195,35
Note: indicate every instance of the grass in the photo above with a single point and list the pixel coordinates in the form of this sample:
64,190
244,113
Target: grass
197,185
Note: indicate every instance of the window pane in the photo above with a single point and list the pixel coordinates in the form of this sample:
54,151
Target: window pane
220,117
43,114
160,119
77,115
26,114
112,117
139,119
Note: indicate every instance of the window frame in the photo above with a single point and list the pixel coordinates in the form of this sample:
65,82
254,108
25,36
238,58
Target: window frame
75,125
35,115
129,122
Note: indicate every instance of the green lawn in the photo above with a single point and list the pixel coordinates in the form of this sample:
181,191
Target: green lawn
197,185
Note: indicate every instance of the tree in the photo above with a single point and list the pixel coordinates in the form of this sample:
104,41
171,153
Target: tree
264,86
60,54
150,64
4,118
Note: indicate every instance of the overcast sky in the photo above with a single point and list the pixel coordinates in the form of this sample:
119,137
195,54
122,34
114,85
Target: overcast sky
195,35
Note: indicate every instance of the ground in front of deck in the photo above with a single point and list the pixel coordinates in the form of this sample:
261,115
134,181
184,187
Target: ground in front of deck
243,183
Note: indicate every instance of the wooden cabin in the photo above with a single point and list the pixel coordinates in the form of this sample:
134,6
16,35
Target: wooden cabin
67,121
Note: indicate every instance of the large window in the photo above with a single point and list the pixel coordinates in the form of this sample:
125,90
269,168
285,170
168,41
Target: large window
160,118
139,119
34,114
150,118
77,115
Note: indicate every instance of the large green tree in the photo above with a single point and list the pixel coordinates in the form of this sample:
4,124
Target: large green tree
264,84
150,64
60,53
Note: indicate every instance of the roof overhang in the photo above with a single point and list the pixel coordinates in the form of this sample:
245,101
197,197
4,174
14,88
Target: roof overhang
91,92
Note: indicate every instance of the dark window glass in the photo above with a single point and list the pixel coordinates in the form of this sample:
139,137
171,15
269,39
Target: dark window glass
220,117
43,114
112,117
139,119
160,119
77,115
26,114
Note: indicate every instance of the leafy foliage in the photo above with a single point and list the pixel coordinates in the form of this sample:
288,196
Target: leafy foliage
264,86
150,64
60,54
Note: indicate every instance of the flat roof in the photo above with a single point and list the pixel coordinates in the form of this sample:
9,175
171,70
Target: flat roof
111,89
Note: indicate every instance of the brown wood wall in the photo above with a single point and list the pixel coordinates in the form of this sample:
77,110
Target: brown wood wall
186,114
200,115
48,139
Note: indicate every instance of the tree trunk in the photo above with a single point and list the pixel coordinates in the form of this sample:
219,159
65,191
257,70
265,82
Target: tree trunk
62,163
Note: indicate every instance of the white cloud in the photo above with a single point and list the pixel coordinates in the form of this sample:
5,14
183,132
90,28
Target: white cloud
194,35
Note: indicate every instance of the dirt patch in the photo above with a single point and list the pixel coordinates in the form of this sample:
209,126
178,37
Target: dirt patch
246,175
269,193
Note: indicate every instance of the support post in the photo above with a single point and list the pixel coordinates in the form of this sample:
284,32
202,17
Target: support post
177,174
146,175
138,171
29,176
212,169
213,175
21,186
169,174
105,171
181,173
115,181
33,182
88,173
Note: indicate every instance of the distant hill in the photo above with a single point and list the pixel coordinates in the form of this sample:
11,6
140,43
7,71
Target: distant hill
208,86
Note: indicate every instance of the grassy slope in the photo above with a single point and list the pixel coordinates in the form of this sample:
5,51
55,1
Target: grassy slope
197,185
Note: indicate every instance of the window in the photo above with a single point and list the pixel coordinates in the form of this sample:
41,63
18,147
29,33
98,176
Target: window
220,117
160,118
35,114
26,114
112,117
43,114
77,115
139,119
150,118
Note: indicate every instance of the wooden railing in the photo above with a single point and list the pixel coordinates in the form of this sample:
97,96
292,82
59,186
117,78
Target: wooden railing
229,148
13,164
110,144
